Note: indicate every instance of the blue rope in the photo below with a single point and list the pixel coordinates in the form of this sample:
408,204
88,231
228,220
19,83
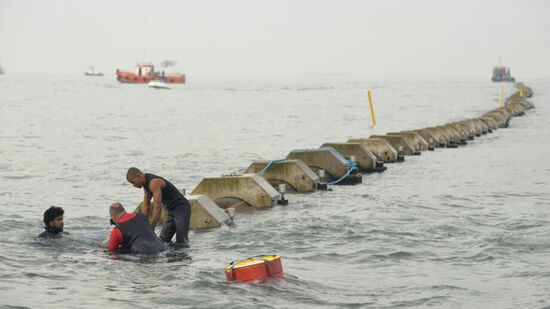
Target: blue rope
350,168
269,164
350,165
95,235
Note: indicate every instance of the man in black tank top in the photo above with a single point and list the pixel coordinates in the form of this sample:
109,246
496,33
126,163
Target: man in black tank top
162,191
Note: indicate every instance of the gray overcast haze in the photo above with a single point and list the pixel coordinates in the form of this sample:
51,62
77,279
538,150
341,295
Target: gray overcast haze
375,39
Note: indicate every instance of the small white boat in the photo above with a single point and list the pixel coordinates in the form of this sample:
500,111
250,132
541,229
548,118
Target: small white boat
92,72
158,84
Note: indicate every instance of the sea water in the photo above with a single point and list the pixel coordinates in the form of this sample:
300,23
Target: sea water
466,227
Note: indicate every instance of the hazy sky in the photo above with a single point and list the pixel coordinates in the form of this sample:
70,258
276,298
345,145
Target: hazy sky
375,39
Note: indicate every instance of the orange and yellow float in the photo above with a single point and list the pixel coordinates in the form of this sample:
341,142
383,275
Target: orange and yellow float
255,269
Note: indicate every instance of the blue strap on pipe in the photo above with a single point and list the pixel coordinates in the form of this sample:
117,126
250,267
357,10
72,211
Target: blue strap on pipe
269,164
348,162
350,168
350,165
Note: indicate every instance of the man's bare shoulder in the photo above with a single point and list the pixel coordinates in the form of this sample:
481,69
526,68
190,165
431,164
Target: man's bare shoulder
156,183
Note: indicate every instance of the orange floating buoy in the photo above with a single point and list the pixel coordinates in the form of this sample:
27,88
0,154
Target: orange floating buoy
255,269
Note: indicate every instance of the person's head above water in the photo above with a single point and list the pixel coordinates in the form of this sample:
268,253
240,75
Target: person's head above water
116,210
53,218
135,177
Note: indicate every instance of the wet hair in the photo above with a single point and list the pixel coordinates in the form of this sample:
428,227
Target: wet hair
133,172
116,208
51,213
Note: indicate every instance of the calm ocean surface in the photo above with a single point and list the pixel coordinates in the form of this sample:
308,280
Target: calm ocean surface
452,228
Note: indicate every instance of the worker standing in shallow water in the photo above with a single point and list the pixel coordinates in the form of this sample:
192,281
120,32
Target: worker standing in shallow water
53,223
132,232
162,191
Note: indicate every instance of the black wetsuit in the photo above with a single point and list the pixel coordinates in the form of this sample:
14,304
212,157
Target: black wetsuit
138,236
179,211
52,232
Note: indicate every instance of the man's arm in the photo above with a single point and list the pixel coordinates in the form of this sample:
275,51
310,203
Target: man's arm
155,186
145,204
115,240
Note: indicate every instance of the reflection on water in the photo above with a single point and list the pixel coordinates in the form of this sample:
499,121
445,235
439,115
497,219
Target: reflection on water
465,227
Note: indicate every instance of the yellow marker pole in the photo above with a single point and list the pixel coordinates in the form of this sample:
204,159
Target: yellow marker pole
501,94
521,93
371,109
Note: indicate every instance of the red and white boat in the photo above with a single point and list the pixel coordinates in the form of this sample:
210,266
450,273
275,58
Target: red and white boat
145,73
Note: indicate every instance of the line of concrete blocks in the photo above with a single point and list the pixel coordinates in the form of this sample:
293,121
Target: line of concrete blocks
310,169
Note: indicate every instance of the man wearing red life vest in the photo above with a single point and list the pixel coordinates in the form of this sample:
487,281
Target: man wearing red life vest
132,233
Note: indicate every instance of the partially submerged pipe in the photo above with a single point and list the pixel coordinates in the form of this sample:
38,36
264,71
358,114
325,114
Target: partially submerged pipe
232,191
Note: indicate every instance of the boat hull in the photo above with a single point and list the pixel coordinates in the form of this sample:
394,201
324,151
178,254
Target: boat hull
93,74
158,85
132,78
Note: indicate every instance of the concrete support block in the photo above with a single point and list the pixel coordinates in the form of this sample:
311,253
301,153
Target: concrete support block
366,161
500,116
463,130
226,191
470,127
454,136
413,138
398,142
517,99
480,125
505,111
527,92
328,160
489,122
205,213
295,173
516,108
440,136
432,140
379,147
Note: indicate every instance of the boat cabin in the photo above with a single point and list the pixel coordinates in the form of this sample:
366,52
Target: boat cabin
145,69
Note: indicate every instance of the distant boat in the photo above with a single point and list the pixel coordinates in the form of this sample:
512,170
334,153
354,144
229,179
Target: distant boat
145,73
92,72
158,84
502,74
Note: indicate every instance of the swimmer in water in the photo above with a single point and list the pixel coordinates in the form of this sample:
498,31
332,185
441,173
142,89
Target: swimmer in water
53,223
